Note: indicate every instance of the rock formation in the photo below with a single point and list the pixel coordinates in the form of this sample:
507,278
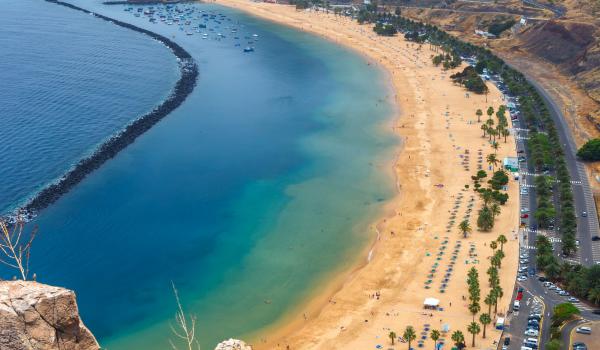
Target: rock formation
233,344
35,316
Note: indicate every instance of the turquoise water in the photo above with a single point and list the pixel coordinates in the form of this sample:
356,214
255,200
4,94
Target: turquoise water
264,181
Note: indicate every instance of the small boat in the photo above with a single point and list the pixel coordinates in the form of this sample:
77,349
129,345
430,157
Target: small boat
249,49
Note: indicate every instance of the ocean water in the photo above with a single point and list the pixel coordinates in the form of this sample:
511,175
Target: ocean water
247,197
67,83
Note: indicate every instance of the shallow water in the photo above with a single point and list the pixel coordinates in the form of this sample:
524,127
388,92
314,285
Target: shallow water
263,182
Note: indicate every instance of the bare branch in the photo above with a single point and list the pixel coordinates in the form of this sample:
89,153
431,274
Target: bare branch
185,331
14,253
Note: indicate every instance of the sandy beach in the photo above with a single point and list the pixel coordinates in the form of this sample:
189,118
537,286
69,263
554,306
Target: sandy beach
442,147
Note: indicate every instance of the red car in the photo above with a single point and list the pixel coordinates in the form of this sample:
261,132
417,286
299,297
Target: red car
524,216
520,296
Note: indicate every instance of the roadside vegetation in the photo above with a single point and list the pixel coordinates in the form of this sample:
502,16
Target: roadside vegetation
590,151
580,281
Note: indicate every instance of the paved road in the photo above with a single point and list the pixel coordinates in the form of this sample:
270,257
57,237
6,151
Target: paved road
565,333
589,251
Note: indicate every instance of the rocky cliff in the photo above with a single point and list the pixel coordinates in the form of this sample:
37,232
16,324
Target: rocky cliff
34,316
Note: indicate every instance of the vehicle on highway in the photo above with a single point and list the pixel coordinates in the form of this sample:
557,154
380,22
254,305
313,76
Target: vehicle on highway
584,330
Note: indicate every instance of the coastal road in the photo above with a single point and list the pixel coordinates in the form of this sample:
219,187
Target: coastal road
587,226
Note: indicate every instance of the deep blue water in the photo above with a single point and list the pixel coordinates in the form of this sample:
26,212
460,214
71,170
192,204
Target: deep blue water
263,182
67,82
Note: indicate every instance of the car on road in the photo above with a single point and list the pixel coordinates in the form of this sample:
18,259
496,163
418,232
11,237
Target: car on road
595,238
584,214
521,278
579,346
524,191
583,330
573,300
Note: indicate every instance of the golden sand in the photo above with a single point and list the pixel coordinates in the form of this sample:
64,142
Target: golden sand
438,126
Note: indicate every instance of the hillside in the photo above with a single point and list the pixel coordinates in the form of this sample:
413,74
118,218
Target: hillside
557,44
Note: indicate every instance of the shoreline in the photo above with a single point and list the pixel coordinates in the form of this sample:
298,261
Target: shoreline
360,320
123,138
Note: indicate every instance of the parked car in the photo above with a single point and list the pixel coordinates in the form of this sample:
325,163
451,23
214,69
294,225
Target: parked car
584,214
573,300
532,332
542,279
595,238
579,346
583,330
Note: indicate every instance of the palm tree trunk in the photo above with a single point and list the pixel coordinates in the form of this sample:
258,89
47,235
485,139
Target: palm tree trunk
484,330
435,345
473,345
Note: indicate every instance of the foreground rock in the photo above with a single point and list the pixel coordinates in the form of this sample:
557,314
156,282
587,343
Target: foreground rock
35,316
233,344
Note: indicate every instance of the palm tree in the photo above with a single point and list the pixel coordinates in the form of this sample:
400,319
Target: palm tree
492,160
392,336
409,335
495,261
465,228
498,293
495,209
505,133
490,111
458,337
491,132
495,147
493,245
474,329
484,127
502,239
479,113
594,295
500,255
485,319
435,335
489,301
474,308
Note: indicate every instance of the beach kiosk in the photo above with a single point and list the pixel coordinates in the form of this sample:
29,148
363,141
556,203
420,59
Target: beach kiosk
431,304
500,323
511,164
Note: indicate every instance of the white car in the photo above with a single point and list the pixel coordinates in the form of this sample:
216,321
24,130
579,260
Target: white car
522,278
573,300
531,332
